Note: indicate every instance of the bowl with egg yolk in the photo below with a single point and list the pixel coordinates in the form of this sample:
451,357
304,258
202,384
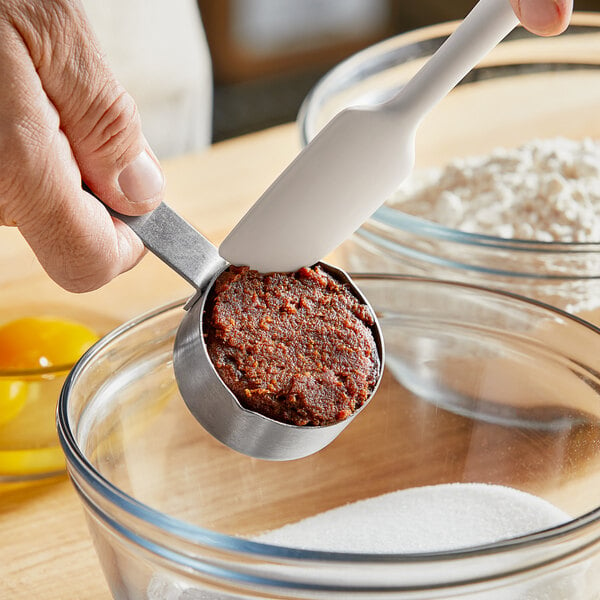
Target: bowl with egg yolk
37,350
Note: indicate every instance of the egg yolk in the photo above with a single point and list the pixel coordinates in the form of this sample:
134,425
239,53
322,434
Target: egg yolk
34,342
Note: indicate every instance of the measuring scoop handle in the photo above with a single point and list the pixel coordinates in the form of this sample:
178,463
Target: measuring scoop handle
179,245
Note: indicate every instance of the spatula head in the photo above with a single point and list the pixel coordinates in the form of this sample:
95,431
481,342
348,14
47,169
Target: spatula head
350,168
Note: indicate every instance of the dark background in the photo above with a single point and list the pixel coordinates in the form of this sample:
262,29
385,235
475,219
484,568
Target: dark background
255,90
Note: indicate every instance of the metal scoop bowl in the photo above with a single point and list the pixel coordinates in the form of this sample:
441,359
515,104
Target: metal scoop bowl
210,401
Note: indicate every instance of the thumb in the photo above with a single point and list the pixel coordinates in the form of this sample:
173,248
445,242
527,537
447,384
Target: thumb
97,115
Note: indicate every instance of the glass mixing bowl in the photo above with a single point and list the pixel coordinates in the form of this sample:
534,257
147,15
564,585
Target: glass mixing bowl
173,513
528,87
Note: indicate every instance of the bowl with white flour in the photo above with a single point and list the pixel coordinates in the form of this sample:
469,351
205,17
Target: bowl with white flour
422,496
506,187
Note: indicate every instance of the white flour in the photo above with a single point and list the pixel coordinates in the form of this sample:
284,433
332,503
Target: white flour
546,190
430,518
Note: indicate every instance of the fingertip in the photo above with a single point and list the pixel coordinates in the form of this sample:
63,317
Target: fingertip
544,17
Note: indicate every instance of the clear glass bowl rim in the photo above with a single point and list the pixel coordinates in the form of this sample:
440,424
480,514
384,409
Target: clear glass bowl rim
188,532
383,52
36,373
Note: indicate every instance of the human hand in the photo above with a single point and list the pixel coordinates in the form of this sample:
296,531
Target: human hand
543,17
64,119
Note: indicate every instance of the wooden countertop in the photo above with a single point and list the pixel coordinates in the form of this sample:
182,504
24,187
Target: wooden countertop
45,548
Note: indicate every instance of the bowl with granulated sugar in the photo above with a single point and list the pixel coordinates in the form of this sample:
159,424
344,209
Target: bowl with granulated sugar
473,472
506,187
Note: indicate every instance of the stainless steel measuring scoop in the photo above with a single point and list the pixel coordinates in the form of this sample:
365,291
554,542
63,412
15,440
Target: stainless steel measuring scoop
216,408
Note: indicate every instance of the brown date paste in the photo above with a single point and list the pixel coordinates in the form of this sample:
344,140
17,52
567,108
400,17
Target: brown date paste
295,347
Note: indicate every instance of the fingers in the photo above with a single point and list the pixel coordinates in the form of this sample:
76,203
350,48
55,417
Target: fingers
544,17
77,242
98,117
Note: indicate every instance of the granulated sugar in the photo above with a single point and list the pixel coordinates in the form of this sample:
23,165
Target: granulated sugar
546,190
423,519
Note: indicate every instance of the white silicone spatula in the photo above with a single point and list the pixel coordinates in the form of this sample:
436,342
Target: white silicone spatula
358,160
326,193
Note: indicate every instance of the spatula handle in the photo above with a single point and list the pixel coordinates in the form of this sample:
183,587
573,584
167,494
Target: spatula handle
481,30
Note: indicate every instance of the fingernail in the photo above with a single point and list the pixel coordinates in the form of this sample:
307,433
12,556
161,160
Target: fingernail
540,16
141,180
